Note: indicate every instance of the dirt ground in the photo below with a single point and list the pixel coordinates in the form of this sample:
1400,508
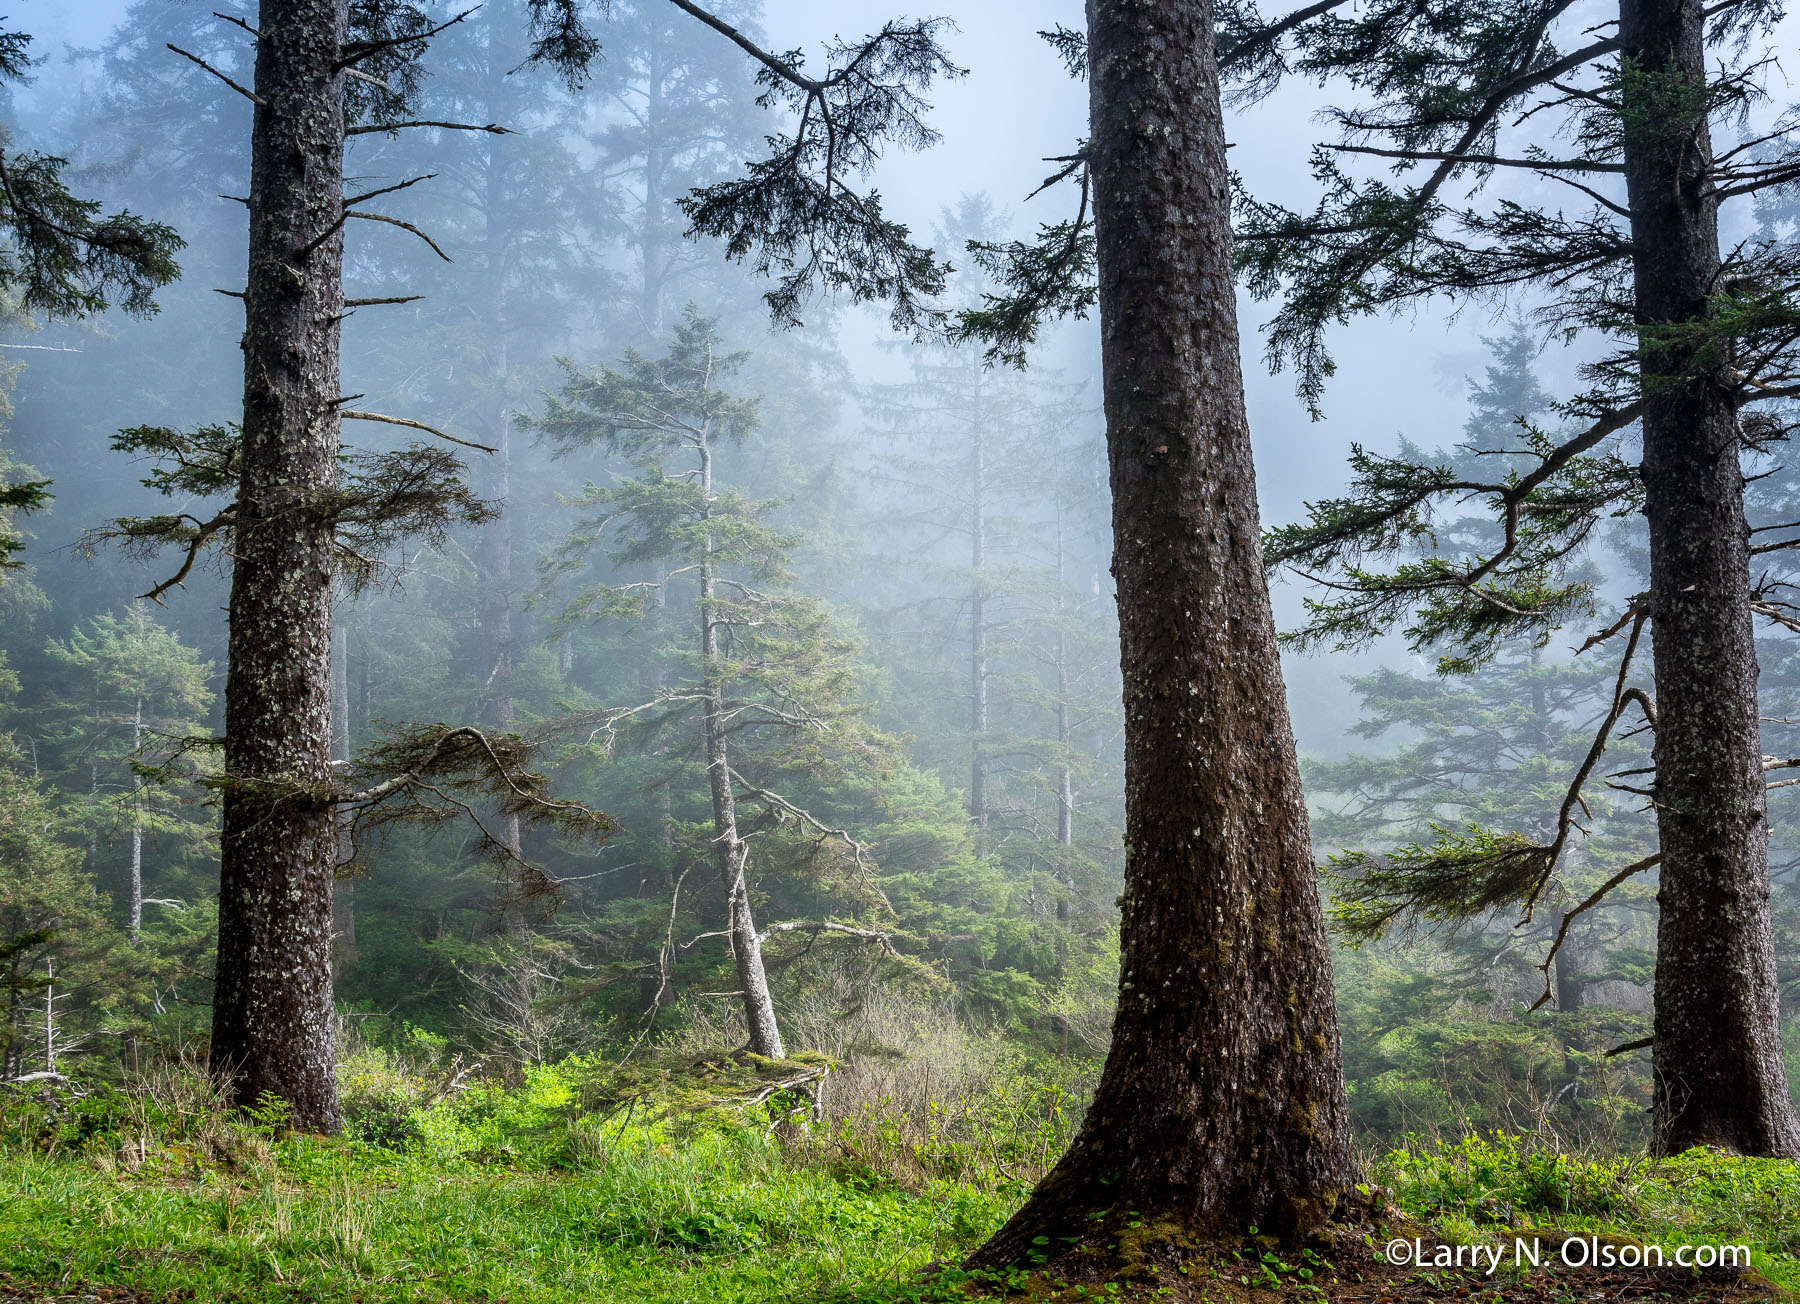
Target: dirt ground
1351,1270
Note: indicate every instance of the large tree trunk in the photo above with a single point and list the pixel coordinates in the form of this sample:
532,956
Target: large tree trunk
1719,1078
1222,1102
272,1017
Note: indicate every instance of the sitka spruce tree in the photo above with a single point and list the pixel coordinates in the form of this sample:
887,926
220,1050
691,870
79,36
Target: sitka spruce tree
1222,1102
325,71
1462,99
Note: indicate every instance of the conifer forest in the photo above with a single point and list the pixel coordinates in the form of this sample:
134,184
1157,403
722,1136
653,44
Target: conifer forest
748,650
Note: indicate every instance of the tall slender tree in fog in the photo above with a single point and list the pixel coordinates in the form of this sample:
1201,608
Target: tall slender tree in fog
1695,336
137,691
769,690
668,117
518,218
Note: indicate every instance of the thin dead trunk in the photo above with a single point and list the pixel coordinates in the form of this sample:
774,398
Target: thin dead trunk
978,646
1222,1102
729,848
272,1024
134,924
1719,1076
343,890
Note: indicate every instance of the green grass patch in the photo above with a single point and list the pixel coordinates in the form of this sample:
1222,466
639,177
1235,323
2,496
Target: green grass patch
717,1217
1484,1186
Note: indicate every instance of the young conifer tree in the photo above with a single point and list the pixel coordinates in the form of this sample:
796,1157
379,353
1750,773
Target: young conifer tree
767,691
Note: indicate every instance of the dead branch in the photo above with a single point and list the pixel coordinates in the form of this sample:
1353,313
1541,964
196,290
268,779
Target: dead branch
1599,893
493,128
248,94
404,226
351,414
359,50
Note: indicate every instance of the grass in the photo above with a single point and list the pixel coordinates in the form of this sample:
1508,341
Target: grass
720,1218
1485,1187
517,1192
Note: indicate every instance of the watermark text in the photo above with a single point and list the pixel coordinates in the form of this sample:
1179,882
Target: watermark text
1575,1252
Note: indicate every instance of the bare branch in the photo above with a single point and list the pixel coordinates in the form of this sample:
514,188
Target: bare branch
351,414
248,94
492,128
1594,899
359,50
404,226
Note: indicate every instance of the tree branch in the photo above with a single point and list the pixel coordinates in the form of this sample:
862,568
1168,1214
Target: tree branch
248,94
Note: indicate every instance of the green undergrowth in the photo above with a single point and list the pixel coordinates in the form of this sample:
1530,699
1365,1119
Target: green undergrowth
716,1214
555,1183
1488,1188
563,1184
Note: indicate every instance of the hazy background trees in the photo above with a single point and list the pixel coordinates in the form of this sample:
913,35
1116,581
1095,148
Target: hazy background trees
953,521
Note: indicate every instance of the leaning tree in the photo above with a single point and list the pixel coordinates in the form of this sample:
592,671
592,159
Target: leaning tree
1617,241
765,691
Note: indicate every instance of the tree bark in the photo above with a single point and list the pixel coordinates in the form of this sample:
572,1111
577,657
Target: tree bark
1222,1102
1719,1077
272,1014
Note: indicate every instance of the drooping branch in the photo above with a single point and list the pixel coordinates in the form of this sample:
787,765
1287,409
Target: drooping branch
859,851
352,414
404,226
1465,874
433,774
792,214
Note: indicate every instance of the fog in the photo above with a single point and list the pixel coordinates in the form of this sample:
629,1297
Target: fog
1015,108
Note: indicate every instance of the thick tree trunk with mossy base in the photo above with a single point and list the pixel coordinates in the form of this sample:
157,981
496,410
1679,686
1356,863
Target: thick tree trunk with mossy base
1222,1103
1719,1076
272,1014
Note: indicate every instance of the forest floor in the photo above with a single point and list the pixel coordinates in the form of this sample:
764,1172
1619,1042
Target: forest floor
103,1200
